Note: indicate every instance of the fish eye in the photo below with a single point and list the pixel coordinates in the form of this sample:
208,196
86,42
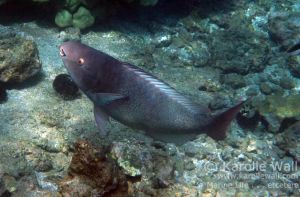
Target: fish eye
62,53
81,61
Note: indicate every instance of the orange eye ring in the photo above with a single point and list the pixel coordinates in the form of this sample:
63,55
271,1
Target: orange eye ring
81,61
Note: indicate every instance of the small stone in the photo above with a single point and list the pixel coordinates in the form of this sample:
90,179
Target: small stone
64,85
266,88
10,183
251,146
287,83
163,40
218,102
189,165
159,183
70,33
44,183
171,149
44,165
190,149
241,157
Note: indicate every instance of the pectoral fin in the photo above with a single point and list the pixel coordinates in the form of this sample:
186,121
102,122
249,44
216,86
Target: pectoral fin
101,119
106,98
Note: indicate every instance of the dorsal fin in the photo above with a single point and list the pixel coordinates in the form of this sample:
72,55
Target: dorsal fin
163,87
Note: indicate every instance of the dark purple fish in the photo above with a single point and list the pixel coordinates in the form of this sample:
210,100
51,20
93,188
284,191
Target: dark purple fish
139,100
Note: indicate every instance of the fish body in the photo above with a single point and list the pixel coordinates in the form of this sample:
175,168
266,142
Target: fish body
139,100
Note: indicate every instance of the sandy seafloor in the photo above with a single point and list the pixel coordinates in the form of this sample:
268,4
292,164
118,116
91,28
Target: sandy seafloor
38,125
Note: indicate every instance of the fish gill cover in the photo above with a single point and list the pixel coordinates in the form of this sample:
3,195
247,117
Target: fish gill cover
213,52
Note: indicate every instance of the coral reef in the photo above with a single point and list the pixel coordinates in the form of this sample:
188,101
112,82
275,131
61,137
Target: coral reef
19,58
92,172
280,105
289,140
284,28
277,108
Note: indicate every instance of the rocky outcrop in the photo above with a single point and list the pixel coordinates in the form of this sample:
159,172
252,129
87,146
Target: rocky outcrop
19,59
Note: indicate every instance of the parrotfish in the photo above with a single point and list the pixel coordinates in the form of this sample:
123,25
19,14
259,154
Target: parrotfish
138,99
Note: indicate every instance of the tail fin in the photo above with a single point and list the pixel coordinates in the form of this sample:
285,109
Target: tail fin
217,129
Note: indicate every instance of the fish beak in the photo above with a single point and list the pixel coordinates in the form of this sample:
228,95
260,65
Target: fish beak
62,52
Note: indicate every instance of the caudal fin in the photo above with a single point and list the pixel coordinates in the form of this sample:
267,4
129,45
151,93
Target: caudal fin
217,129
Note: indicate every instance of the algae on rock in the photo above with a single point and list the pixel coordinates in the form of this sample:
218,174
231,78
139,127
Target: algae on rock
19,59
281,106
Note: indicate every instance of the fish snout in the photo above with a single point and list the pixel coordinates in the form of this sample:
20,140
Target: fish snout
62,51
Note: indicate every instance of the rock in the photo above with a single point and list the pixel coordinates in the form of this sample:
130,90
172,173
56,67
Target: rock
10,183
275,108
159,183
189,165
64,85
52,144
44,182
294,65
289,140
70,33
19,58
92,172
252,91
284,28
219,102
266,88
162,40
210,86
125,160
280,105
287,83
234,80
191,149
235,50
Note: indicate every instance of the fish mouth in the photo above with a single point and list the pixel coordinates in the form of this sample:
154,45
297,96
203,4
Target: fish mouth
62,52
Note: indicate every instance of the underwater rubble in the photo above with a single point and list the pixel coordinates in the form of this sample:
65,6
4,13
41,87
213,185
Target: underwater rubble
214,55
